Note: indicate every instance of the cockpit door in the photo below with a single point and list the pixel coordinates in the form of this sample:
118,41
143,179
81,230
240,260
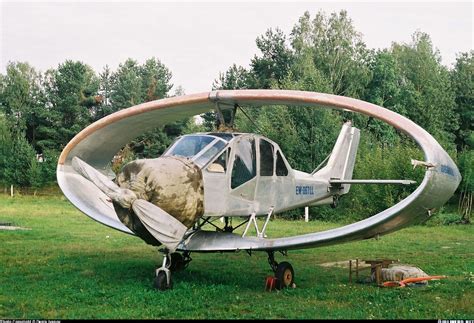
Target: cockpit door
216,177
243,176
265,190
275,182
284,183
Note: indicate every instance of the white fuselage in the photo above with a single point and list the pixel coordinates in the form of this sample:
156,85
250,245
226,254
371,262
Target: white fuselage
278,187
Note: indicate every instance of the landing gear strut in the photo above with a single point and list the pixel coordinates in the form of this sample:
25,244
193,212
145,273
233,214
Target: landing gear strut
171,263
227,227
335,201
284,273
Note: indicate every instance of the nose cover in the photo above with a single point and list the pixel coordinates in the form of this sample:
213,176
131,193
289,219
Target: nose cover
158,199
172,183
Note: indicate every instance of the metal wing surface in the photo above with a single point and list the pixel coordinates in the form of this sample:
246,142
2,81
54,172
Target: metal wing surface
99,142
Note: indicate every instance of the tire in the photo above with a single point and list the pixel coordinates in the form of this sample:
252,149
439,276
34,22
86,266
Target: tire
160,282
285,275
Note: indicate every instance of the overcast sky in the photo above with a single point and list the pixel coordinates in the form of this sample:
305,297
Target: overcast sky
197,40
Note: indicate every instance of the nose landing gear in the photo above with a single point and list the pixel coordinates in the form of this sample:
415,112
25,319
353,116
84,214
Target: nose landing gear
171,263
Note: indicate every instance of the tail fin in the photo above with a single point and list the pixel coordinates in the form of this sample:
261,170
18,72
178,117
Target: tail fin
342,159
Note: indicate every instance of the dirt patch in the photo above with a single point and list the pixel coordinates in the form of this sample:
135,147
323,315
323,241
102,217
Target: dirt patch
344,264
12,227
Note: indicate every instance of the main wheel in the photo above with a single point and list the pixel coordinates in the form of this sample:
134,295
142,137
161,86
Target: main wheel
161,282
284,275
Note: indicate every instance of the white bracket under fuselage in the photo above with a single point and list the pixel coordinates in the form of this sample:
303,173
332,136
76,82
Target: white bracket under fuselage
253,219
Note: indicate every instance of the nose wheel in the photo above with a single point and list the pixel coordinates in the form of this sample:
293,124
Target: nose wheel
163,279
171,263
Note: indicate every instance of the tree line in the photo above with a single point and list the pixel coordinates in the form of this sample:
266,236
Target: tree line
40,112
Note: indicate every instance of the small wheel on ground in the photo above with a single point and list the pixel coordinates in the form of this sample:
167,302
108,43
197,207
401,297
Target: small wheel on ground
161,283
285,275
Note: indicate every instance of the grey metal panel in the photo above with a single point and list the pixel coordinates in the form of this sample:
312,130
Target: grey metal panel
99,142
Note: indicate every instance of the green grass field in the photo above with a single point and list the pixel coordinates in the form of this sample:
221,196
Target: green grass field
71,267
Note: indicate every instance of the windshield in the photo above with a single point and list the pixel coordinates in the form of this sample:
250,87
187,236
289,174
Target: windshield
198,148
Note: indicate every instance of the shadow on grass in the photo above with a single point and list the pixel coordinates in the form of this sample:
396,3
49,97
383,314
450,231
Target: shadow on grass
118,269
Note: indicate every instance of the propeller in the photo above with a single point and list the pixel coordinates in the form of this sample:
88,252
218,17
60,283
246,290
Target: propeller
163,226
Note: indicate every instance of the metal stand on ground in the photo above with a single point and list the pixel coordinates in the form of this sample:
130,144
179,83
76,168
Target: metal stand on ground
375,268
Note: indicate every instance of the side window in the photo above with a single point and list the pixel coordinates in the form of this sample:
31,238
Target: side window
189,146
266,158
281,169
210,153
244,168
220,164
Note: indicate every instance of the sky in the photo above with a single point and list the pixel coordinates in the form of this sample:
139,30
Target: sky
198,40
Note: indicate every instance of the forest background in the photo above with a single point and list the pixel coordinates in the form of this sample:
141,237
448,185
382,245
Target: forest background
41,111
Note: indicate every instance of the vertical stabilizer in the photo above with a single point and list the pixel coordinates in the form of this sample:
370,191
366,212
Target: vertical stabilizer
340,164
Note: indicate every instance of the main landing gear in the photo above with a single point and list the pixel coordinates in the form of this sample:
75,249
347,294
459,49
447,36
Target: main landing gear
172,262
284,274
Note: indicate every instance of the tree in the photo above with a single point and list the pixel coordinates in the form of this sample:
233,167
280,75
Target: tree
385,89
427,94
105,90
315,129
304,75
462,77
6,145
73,96
133,84
21,99
337,49
236,77
155,80
466,167
17,158
272,67
126,86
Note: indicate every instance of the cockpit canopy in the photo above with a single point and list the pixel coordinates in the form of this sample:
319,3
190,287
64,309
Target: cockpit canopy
200,148
246,161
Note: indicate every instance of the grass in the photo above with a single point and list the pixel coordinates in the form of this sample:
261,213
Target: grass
70,267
